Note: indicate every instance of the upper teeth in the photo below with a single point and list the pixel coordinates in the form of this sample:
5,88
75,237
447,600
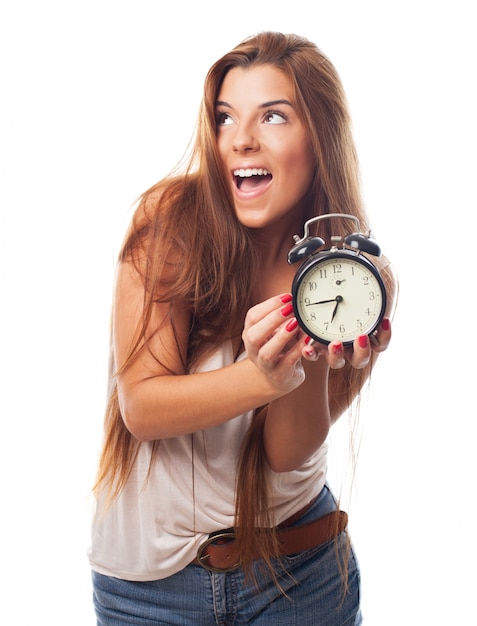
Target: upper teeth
251,172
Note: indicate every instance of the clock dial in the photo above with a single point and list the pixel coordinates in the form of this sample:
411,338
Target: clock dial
338,297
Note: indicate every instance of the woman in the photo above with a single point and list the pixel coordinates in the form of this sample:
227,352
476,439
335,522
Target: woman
221,406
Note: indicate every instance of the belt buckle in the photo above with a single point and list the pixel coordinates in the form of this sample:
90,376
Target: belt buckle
202,558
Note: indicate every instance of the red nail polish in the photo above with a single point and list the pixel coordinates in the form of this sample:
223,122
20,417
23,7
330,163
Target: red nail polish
307,339
286,298
363,341
292,324
337,348
385,324
286,310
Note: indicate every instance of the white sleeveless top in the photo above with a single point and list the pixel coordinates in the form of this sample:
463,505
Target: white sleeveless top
155,526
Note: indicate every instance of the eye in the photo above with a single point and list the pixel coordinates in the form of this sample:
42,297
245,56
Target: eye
275,117
223,119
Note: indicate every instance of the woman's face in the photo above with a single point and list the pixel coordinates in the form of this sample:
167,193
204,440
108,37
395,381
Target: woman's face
263,145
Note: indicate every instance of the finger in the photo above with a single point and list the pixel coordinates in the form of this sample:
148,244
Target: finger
283,345
361,353
310,350
264,320
381,337
261,310
336,355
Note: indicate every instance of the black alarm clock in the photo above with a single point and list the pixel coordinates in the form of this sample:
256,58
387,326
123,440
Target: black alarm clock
338,293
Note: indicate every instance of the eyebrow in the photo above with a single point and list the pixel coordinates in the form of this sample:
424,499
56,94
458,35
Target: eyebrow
264,105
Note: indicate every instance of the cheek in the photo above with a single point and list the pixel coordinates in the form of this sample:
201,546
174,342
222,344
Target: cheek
299,154
302,167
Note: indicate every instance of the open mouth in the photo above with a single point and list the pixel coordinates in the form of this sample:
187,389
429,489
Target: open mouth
251,178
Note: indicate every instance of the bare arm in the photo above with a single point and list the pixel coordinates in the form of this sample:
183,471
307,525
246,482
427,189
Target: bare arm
156,403
298,422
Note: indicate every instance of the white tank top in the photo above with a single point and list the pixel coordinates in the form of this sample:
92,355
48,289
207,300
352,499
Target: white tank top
155,526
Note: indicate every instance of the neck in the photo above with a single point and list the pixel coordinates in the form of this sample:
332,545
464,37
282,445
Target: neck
275,241
275,274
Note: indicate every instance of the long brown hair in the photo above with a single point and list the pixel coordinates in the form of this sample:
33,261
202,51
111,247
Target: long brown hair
187,224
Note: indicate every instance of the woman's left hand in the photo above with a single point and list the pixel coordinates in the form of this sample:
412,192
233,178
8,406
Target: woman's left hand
358,355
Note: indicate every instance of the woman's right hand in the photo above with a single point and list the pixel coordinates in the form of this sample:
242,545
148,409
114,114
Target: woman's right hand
272,340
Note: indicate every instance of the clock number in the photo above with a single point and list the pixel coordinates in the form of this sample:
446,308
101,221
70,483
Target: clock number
337,268
372,295
312,286
365,280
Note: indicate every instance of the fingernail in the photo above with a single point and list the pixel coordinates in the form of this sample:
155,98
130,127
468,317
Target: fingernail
309,340
385,324
337,348
292,324
286,298
286,310
311,353
363,341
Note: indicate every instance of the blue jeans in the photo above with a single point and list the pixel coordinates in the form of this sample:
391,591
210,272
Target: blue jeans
312,584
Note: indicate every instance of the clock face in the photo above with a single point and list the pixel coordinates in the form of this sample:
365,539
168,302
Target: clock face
338,296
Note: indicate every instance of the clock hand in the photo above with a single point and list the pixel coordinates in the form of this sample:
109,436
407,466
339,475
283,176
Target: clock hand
338,300
320,302
334,311
338,282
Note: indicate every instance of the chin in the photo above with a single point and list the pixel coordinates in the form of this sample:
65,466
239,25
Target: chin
253,223
257,219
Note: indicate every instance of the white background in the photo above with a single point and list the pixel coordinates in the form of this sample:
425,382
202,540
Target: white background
98,100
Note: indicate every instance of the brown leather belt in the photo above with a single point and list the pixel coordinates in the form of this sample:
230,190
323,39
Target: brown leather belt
216,553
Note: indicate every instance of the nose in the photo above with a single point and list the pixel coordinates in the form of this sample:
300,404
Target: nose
245,141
